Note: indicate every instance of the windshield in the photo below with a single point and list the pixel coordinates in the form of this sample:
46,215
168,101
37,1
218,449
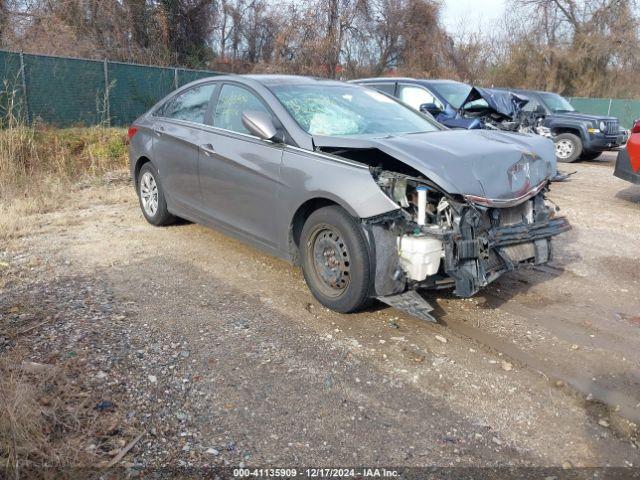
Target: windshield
349,110
556,103
453,93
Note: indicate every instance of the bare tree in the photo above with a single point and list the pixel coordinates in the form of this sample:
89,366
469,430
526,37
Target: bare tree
578,47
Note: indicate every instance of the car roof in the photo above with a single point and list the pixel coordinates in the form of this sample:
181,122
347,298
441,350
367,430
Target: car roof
517,90
269,80
407,79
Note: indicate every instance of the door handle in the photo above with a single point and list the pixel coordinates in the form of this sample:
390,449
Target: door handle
158,130
208,149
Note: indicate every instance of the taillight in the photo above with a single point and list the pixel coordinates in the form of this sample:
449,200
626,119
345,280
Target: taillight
131,132
636,127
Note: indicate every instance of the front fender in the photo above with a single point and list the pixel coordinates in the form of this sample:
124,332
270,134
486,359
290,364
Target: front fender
561,126
310,176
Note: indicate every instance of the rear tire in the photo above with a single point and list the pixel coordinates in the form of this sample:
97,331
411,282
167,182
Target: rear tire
568,147
590,155
335,260
151,197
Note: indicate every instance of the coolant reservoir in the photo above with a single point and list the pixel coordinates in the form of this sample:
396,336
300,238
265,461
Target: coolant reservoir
420,256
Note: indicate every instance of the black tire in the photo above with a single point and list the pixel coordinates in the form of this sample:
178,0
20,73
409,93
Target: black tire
159,216
333,245
576,147
590,155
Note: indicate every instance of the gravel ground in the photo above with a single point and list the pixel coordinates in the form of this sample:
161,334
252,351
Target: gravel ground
218,354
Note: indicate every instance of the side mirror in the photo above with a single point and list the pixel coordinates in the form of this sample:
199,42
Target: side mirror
430,108
259,124
540,110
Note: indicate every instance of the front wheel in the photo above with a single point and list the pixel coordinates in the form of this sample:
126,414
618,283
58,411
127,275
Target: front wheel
568,147
335,259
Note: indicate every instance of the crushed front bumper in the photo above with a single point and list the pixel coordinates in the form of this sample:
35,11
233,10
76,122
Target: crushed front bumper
475,262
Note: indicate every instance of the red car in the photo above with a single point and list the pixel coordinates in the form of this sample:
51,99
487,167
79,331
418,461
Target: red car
628,162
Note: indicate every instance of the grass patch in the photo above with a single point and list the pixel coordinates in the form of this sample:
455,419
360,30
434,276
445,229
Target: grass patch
41,166
48,422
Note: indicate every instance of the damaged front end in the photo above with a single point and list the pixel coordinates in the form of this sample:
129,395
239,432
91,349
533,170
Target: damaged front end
437,240
501,110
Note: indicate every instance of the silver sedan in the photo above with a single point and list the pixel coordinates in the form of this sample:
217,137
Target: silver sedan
371,198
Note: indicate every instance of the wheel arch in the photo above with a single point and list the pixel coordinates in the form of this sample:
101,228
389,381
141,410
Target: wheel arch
301,215
137,167
575,130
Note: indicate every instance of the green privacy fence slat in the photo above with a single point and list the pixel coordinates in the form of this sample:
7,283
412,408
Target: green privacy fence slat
71,91
185,76
11,88
625,110
135,89
63,91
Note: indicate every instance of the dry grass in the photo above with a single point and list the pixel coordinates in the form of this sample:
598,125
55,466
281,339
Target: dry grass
46,412
47,419
40,167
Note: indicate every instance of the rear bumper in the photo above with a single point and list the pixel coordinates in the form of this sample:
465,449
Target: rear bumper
624,170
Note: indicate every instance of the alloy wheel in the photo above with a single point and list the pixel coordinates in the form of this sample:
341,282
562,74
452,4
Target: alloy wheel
149,194
564,148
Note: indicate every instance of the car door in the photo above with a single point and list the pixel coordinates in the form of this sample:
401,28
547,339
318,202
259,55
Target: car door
239,172
177,136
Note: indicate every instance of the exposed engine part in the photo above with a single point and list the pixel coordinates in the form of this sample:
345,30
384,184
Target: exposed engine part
396,186
422,204
420,255
522,122
442,240
544,131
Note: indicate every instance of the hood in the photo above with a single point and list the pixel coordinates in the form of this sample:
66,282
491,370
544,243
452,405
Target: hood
580,116
491,164
503,103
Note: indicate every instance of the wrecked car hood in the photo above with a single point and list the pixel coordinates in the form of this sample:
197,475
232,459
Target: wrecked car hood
500,102
491,164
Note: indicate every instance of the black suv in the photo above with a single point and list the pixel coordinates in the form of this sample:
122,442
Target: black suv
576,135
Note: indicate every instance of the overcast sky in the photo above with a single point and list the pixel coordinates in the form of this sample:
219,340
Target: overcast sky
470,15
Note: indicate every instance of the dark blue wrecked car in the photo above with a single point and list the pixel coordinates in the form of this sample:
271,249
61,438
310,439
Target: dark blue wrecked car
459,105
454,104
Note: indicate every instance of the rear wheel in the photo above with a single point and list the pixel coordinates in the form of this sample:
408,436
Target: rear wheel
568,147
335,259
590,155
152,201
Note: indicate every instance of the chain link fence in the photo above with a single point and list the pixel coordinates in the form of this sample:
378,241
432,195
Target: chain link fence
66,91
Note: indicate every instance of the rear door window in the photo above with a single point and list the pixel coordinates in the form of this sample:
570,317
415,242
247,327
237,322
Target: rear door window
190,105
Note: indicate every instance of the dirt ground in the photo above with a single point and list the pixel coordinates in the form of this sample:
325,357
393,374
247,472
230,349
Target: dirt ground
218,354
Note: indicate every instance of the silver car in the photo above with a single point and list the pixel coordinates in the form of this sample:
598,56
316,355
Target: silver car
371,198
